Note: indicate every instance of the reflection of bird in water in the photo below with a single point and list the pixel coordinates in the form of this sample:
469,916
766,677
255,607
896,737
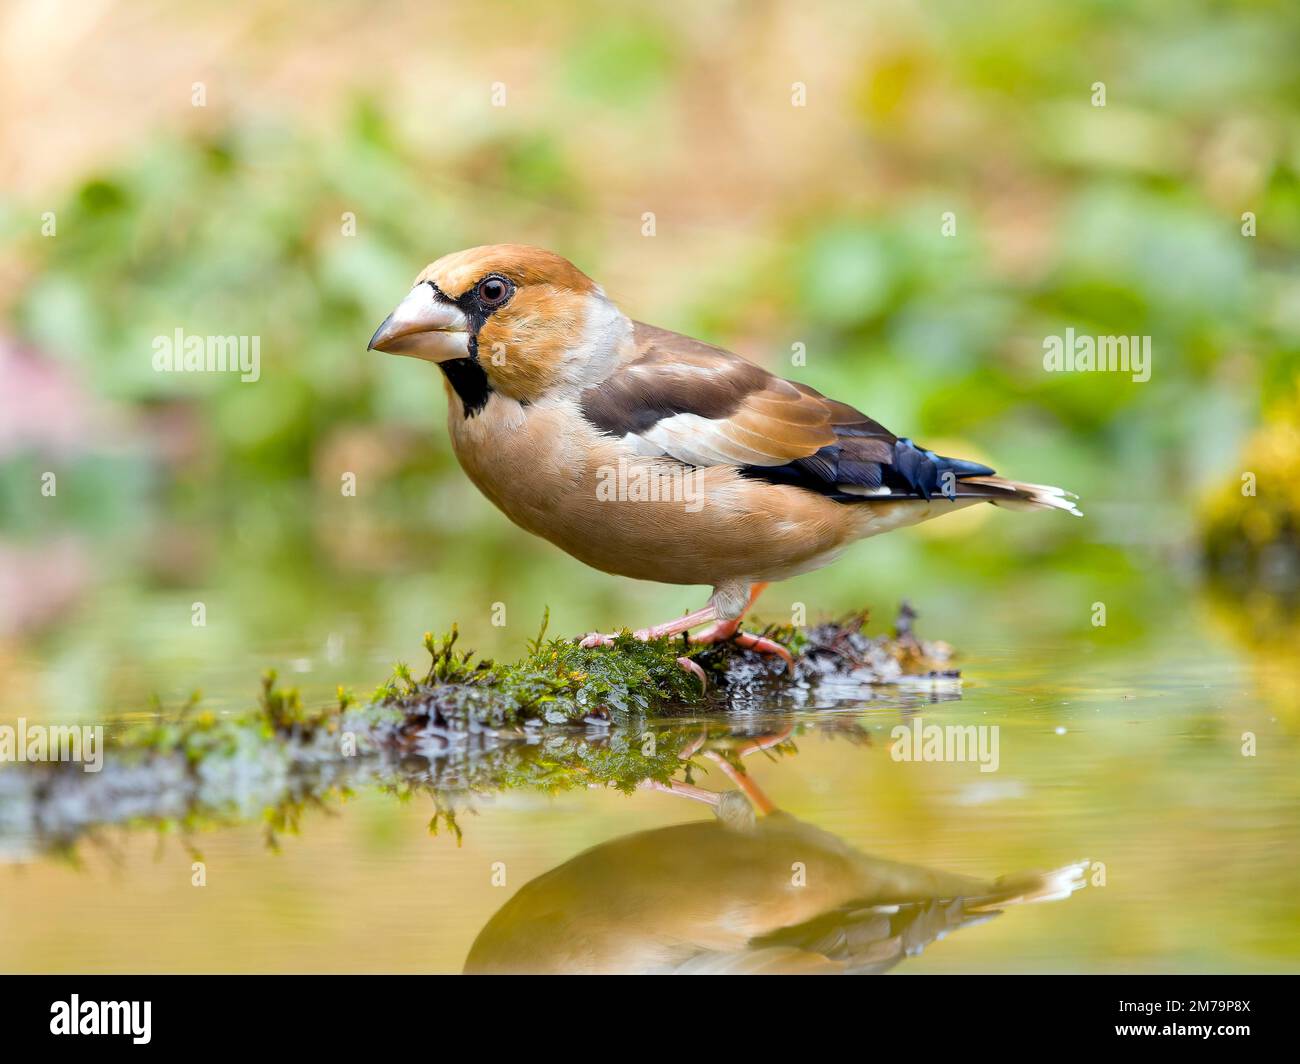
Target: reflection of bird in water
741,894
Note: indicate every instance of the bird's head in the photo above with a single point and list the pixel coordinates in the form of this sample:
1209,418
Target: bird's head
529,319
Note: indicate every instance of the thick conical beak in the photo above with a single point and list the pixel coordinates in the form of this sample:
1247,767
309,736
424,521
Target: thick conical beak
424,325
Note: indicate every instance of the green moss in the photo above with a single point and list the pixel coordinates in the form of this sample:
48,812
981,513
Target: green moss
460,728
555,681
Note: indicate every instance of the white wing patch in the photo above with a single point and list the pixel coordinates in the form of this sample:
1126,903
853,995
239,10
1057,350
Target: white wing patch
697,441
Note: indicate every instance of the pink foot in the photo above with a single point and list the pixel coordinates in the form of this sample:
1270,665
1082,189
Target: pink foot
724,630
694,668
715,633
763,645
658,631
597,639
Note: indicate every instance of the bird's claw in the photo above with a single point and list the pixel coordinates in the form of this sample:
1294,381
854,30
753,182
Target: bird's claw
598,639
730,630
694,668
763,645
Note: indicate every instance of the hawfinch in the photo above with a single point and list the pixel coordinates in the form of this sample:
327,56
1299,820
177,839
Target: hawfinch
705,898
717,897
648,454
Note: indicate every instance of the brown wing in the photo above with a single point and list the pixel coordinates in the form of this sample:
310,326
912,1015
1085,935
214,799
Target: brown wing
702,405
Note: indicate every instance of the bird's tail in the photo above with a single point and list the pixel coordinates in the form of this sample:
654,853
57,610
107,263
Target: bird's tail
875,937
1023,888
1016,495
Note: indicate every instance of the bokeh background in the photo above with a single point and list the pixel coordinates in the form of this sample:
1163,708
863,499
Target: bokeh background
774,225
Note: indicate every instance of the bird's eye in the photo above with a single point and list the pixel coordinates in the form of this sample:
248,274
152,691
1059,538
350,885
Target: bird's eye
492,291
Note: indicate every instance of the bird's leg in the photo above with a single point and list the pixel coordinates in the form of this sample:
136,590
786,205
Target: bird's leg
658,631
760,801
717,632
683,790
742,779
764,742
722,630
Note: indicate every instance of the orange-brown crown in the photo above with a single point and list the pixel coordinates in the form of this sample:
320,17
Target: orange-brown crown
540,337
522,264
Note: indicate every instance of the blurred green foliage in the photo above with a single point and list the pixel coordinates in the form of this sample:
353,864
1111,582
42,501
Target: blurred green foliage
240,231
777,226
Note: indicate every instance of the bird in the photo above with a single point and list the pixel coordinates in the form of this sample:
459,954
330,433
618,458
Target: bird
649,454
752,891
708,898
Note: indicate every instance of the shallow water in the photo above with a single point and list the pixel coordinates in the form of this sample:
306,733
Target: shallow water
1124,750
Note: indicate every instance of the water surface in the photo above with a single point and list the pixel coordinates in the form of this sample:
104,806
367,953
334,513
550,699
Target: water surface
1128,754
